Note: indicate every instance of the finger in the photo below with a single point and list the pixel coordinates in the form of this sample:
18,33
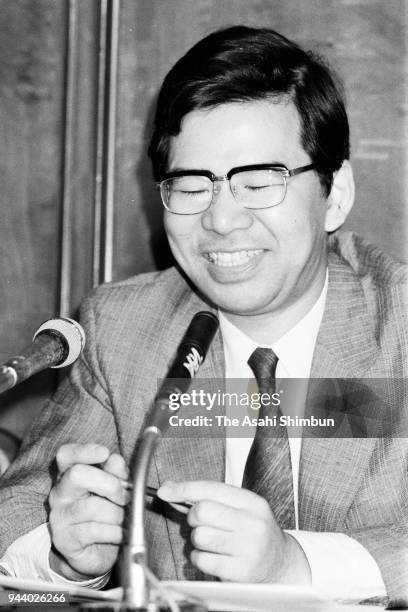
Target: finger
179,507
80,480
194,491
93,508
116,465
70,454
213,564
215,515
88,534
212,540
221,566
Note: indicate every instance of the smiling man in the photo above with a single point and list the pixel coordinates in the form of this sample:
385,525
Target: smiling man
259,246
250,152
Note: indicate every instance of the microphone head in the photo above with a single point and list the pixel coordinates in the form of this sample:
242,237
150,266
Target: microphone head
70,333
200,332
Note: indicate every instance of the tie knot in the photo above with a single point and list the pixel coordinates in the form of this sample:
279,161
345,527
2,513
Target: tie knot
263,362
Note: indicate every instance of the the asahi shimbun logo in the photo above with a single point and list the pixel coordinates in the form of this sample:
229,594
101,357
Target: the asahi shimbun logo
193,362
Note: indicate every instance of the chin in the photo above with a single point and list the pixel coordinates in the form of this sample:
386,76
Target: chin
242,303
246,310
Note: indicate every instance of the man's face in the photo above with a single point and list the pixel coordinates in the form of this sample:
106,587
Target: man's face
250,262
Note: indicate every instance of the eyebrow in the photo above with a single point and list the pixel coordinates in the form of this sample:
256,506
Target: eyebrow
269,163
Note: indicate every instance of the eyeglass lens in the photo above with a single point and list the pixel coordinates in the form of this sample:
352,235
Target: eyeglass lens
251,188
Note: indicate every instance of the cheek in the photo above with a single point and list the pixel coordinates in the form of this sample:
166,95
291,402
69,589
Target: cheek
301,234
180,233
310,218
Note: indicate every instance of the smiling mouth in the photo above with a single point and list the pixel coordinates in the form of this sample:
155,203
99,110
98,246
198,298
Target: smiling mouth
226,259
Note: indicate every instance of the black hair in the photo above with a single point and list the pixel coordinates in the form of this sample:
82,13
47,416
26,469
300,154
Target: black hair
241,64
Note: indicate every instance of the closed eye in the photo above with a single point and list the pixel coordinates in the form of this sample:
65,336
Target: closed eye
191,193
258,187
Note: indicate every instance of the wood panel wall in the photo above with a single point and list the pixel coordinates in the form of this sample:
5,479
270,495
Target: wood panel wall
364,40
56,85
48,101
32,39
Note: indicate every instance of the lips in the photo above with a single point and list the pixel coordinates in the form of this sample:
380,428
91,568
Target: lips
228,259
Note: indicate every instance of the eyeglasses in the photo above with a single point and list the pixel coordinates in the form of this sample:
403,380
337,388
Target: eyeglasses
189,192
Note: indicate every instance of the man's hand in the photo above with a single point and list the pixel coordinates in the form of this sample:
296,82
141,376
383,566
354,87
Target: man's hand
86,511
236,536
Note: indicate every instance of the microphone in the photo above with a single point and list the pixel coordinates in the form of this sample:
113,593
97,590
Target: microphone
191,353
57,343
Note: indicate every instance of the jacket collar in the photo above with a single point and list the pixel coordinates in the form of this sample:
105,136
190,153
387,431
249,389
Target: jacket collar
345,345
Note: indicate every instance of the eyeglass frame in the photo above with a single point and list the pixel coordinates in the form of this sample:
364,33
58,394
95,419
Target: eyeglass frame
281,168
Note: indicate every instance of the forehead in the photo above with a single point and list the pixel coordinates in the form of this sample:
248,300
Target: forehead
237,134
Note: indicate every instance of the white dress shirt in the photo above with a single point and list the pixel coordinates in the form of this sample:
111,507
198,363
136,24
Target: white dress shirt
340,566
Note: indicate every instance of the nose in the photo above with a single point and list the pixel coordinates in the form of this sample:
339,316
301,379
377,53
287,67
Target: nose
225,214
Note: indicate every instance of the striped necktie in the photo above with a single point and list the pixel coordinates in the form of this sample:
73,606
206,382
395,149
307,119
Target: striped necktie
268,469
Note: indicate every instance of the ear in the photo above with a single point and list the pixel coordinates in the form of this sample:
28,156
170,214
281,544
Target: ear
341,197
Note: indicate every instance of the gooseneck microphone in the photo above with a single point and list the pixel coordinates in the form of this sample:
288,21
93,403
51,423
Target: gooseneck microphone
57,343
190,355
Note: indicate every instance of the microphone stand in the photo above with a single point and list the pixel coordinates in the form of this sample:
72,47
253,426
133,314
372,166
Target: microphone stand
135,588
35,357
193,346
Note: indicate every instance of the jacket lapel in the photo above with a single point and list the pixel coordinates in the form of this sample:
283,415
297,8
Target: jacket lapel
331,469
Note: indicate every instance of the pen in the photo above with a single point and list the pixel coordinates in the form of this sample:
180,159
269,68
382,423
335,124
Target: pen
152,492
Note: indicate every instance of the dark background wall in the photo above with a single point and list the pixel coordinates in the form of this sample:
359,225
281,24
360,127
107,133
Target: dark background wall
53,100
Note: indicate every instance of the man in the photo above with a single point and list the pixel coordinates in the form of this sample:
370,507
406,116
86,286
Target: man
251,152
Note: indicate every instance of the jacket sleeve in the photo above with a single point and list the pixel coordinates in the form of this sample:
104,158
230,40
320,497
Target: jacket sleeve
385,501
79,412
388,544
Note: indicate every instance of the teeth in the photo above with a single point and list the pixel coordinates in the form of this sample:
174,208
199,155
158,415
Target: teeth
227,260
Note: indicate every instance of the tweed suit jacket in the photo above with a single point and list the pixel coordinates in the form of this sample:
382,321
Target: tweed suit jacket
355,486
